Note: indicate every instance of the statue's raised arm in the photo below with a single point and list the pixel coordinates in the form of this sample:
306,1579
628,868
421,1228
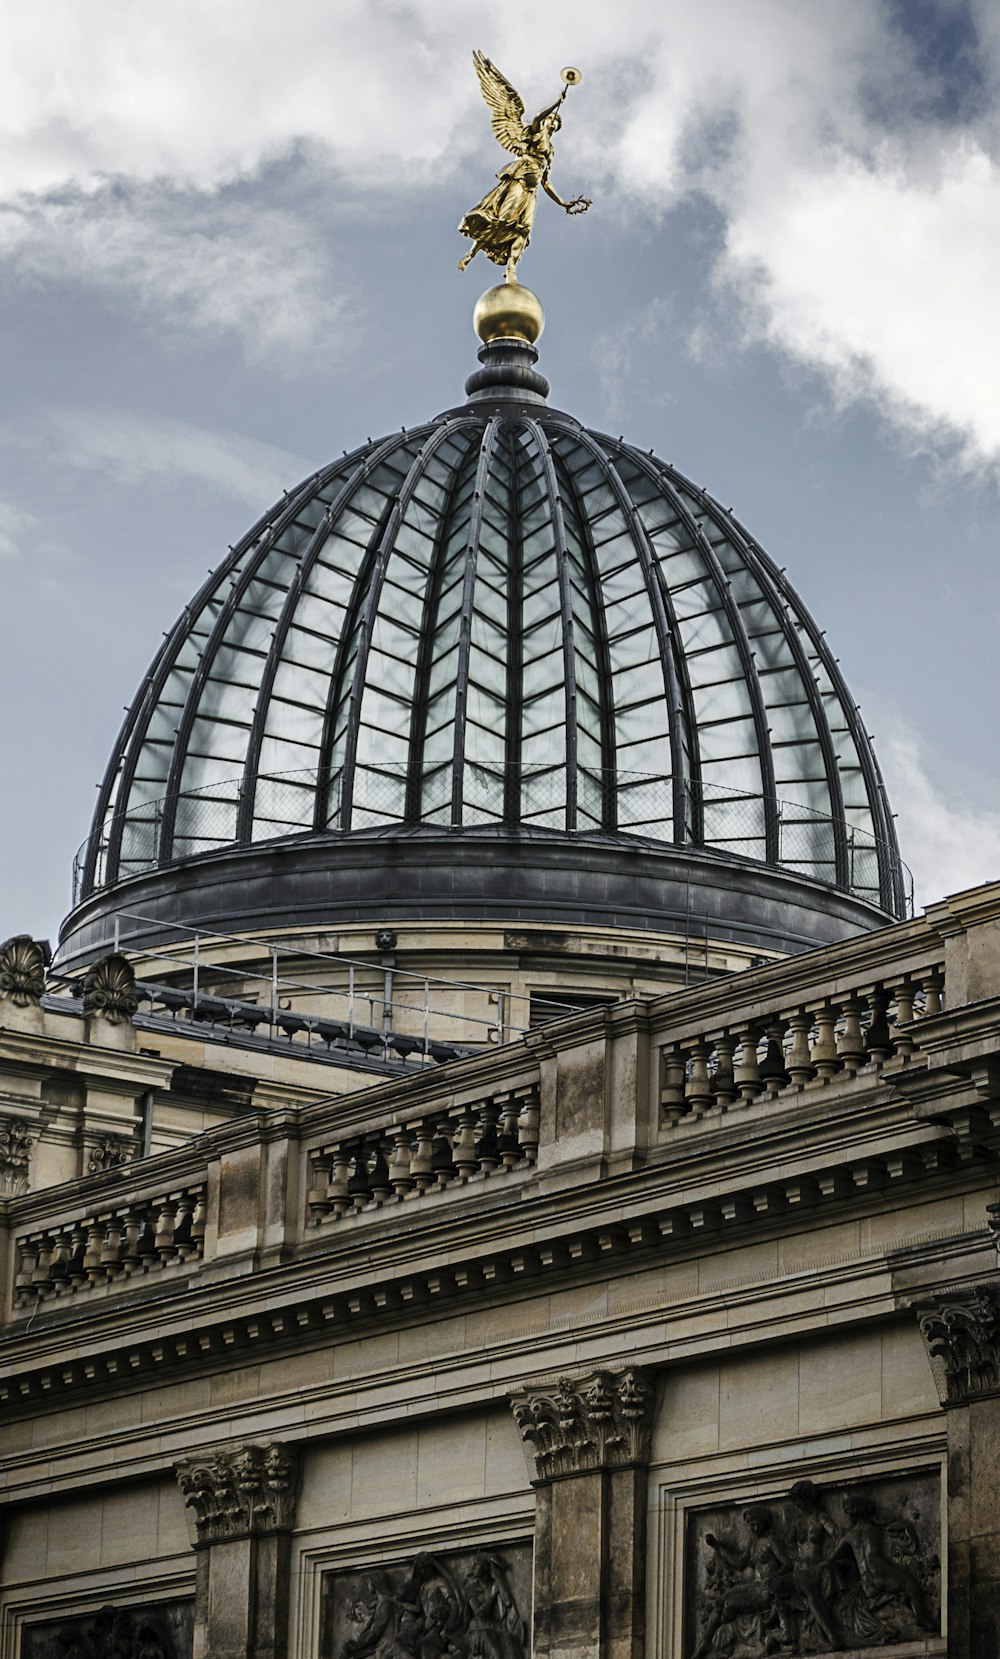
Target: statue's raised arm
500,225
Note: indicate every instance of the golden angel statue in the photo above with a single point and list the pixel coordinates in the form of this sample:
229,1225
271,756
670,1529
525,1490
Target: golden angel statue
500,226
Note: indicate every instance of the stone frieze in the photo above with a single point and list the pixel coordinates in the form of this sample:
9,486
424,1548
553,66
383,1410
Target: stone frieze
158,1630
475,1603
825,1569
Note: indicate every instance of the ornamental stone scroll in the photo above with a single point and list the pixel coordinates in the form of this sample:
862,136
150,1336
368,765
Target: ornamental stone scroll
601,1421
961,1332
247,1492
23,961
587,1440
241,1508
109,990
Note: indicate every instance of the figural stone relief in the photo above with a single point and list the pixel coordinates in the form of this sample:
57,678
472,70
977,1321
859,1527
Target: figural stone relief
472,1605
160,1631
819,1571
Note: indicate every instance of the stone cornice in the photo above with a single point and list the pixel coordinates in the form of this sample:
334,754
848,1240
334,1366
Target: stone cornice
45,1050
245,1491
583,1424
449,1377
825,1159
194,1324
975,907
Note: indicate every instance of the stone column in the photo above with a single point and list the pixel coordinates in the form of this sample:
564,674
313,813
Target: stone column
241,1503
961,1330
587,1441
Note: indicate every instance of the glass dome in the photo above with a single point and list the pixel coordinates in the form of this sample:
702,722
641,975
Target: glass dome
500,618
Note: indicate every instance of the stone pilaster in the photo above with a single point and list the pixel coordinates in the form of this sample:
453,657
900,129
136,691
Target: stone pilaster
961,1331
587,1441
241,1504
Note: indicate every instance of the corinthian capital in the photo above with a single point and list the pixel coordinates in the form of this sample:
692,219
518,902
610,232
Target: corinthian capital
602,1421
247,1491
961,1331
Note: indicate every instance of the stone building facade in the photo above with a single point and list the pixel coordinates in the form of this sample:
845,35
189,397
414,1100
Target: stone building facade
402,1262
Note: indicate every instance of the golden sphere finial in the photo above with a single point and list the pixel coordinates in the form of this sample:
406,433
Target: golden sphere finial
508,312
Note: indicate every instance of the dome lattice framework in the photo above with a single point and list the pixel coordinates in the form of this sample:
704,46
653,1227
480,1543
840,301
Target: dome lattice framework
498,619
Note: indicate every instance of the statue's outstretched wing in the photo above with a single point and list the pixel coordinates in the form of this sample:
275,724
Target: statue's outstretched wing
506,106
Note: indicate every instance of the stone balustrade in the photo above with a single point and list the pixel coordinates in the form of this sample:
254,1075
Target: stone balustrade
124,1242
406,1158
764,1054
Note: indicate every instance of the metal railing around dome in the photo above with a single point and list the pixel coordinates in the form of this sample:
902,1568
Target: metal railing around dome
636,804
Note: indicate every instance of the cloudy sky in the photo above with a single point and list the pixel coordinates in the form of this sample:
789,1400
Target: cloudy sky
228,251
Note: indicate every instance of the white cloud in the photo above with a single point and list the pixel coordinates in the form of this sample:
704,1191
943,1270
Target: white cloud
221,267
620,352
950,843
861,228
15,526
139,450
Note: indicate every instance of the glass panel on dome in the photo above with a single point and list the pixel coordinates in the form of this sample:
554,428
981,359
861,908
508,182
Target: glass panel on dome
379,797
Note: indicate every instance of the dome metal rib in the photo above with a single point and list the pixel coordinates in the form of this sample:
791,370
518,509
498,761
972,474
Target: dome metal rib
498,619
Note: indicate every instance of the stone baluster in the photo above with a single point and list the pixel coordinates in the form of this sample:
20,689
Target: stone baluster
147,1240
772,1067
902,1041
824,1054
358,1187
673,1075
182,1227
724,1090
488,1143
877,1039
198,1221
510,1151
933,987
339,1197
318,1191
62,1249
422,1158
747,1071
464,1150
74,1267
442,1162
132,1226
401,1164
378,1175
167,1209
92,1254
29,1281
698,1090
850,1038
111,1246
527,1125
799,1063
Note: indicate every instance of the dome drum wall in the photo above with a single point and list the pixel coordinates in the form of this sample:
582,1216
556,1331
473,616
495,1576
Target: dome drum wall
498,621
427,877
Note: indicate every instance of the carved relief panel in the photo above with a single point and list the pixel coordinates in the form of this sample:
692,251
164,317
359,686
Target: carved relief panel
476,1603
824,1569
160,1630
